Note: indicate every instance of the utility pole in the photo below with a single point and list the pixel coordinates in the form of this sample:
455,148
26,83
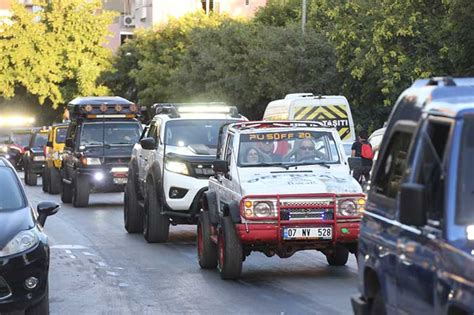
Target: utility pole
303,16
207,7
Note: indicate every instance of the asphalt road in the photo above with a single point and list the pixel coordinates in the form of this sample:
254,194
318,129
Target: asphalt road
97,268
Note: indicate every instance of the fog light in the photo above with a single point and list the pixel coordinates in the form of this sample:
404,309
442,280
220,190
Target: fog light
176,192
98,176
31,283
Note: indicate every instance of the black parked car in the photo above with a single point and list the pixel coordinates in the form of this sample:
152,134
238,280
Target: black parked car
24,250
34,158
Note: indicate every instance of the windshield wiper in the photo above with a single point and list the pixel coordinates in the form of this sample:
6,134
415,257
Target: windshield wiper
266,165
323,164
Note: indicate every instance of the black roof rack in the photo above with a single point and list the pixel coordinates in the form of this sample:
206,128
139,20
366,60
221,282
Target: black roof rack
441,81
102,107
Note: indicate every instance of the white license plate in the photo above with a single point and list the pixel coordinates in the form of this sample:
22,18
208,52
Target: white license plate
120,181
324,233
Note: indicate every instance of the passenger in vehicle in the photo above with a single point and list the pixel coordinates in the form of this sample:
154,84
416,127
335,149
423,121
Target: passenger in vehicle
305,150
268,148
252,156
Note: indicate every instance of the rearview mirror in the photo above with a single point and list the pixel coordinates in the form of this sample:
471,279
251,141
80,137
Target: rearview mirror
412,211
45,209
69,143
354,162
148,143
220,166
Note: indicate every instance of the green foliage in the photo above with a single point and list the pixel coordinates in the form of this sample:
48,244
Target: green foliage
251,64
279,13
55,53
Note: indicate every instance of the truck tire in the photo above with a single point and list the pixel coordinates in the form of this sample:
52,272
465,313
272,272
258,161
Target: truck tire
377,306
211,206
45,180
338,257
207,250
132,211
80,191
229,251
54,179
31,179
156,226
66,193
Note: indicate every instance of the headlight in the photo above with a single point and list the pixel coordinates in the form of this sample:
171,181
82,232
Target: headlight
177,167
91,161
259,209
4,149
351,207
20,243
470,232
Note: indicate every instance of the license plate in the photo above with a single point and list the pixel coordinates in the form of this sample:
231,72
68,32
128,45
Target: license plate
324,233
120,181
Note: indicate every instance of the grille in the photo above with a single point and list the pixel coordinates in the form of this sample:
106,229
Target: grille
4,289
203,170
116,161
301,210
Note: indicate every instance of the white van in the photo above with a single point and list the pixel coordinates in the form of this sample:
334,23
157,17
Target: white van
332,111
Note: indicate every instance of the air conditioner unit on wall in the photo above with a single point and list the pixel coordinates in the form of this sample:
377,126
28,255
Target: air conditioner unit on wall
128,21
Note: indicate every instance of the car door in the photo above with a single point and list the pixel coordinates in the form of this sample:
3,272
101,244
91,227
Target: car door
380,229
225,195
418,248
144,155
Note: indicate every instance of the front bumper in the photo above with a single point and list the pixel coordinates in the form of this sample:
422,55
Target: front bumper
193,186
106,178
267,233
13,273
36,166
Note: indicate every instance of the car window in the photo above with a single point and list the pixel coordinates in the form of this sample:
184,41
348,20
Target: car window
465,184
229,149
295,147
11,197
61,135
390,172
110,133
21,139
429,167
40,140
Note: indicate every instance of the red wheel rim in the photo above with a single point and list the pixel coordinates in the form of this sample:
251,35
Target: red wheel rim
220,242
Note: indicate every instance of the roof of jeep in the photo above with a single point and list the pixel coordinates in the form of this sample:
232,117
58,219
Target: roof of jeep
97,100
265,126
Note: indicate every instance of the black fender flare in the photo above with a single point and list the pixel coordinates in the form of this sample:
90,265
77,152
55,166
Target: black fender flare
210,204
232,210
154,174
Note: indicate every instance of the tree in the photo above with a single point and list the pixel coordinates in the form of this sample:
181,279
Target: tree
249,65
56,53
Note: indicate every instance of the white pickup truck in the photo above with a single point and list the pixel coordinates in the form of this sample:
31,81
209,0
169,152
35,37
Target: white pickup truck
279,187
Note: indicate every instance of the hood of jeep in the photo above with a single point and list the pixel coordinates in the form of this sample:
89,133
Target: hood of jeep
272,181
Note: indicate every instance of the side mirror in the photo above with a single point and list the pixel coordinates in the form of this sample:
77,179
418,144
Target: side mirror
69,143
412,211
45,209
49,144
148,143
220,166
26,148
354,162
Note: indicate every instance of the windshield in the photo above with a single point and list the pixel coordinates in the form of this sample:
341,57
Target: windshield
40,140
22,139
288,147
465,191
11,197
110,133
194,133
4,139
61,135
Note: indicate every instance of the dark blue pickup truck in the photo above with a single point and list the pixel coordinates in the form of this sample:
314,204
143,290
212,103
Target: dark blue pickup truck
416,246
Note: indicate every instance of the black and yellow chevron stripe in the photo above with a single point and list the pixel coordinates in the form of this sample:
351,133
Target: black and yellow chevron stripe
325,113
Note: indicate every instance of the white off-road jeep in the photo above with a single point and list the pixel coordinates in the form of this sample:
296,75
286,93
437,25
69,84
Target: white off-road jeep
171,165
279,187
